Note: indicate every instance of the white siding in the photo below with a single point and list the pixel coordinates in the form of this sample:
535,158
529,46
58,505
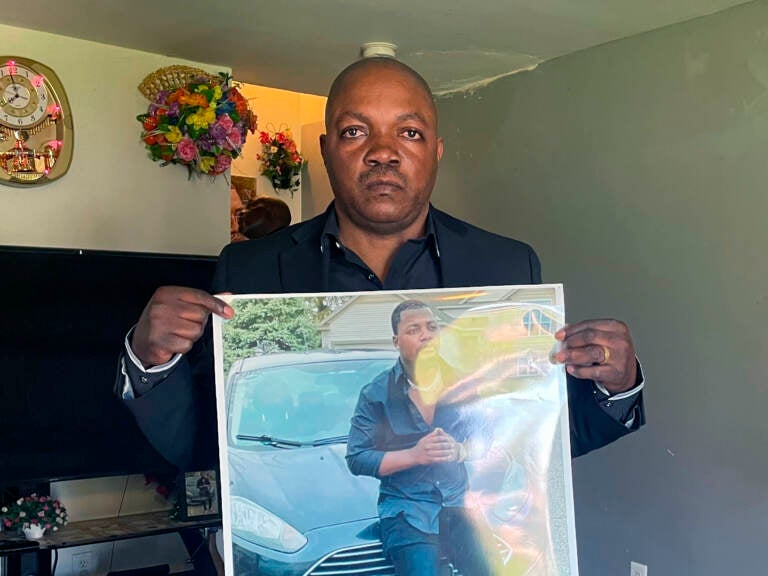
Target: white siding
362,323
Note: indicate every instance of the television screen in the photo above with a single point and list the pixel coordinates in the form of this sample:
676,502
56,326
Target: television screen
66,313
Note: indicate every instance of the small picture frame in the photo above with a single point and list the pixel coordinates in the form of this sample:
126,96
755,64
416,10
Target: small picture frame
199,495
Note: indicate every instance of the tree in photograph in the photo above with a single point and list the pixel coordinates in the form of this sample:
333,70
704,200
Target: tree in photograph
271,325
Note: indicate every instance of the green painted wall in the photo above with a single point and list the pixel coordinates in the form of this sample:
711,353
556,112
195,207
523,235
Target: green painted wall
639,172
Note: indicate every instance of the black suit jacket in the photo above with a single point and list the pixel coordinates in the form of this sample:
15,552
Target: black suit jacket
178,415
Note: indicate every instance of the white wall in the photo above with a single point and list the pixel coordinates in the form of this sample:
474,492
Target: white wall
113,196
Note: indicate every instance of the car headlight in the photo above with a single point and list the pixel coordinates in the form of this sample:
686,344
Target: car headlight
255,524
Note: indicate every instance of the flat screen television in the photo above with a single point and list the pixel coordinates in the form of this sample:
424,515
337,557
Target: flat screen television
65,315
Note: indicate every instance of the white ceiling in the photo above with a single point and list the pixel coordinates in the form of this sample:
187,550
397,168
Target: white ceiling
301,45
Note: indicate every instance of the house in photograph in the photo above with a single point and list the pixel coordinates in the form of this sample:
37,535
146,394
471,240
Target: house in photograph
364,321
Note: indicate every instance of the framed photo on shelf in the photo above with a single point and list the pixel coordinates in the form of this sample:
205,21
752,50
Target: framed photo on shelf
199,495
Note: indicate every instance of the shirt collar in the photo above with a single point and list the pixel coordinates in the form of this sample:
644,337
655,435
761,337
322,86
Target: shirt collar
330,234
398,371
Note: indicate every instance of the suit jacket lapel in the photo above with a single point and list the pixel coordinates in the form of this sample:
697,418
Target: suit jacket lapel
456,261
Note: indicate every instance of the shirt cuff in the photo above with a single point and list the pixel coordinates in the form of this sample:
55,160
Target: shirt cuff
137,379
639,384
622,407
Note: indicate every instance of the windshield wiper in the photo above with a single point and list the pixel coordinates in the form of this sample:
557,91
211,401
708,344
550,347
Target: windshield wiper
330,440
270,441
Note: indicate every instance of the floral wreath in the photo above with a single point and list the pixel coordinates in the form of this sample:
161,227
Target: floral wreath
281,162
194,119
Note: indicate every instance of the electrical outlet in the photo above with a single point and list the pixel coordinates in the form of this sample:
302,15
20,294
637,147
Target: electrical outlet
82,564
637,569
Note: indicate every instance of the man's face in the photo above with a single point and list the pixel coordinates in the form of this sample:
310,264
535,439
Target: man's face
381,150
417,328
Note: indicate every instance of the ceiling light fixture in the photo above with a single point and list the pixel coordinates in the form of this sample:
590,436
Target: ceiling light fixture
378,49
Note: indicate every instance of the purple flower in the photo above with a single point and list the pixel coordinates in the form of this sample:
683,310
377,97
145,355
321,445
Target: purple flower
161,96
219,133
206,142
174,110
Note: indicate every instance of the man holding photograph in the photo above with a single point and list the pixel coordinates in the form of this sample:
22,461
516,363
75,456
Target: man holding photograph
381,151
416,445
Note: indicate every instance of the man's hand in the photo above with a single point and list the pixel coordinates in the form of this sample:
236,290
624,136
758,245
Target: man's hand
599,350
172,322
437,446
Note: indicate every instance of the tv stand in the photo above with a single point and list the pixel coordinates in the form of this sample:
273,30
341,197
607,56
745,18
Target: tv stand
108,530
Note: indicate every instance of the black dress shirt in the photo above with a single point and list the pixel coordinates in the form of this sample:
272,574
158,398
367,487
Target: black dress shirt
415,265
386,420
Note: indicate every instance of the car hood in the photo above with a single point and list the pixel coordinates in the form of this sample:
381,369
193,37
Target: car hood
308,487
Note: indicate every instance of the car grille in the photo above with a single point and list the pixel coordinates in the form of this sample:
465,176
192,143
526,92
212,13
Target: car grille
365,560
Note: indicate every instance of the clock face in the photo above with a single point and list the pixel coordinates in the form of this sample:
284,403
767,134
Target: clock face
36,135
23,95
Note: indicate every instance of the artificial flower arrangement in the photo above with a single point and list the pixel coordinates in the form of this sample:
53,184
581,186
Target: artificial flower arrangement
281,162
194,119
33,511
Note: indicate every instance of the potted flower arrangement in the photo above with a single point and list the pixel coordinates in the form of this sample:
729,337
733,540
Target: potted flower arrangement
33,515
194,119
281,162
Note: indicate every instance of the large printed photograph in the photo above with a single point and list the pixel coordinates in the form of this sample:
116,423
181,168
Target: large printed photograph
415,432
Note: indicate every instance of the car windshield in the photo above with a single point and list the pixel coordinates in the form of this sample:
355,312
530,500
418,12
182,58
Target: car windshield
298,404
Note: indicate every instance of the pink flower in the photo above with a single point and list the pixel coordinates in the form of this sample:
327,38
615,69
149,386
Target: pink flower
222,163
185,149
225,122
7,523
45,507
47,526
234,139
41,513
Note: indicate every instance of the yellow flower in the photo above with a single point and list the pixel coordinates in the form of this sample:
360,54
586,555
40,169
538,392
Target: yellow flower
206,163
173,135
202,118
216,93
288,134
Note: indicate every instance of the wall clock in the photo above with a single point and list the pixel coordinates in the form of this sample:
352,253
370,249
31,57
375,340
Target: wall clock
36,132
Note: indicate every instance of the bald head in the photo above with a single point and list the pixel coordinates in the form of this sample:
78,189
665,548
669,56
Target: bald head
363,66
381,149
